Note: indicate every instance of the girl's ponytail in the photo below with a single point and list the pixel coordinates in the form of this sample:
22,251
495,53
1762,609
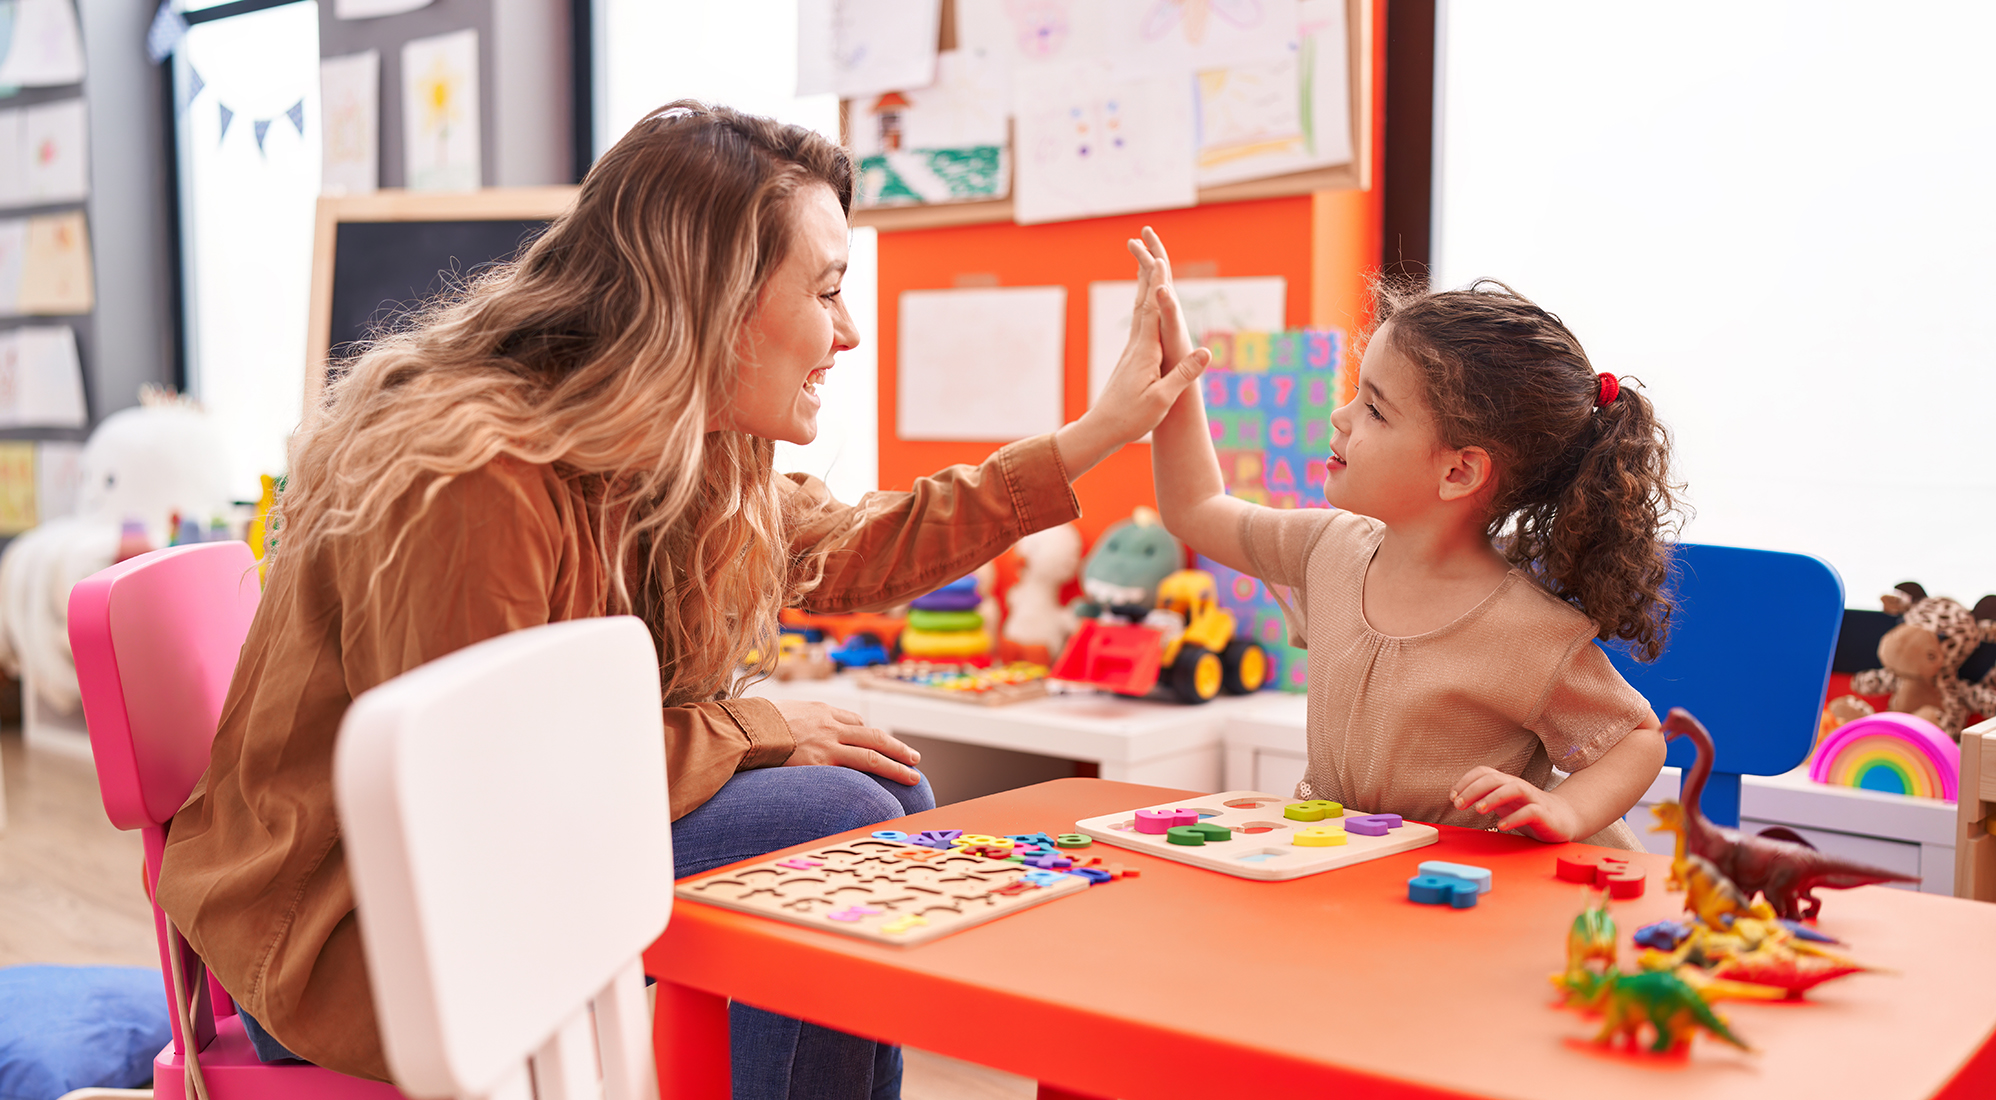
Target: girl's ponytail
1597,545
1584,501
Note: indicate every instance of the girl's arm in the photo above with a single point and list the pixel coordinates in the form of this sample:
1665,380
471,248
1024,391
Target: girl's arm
1588,802
1191,497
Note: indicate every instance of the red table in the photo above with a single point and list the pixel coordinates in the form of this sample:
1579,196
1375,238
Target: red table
1189,983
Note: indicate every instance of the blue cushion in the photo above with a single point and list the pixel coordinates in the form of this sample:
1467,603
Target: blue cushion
73,1027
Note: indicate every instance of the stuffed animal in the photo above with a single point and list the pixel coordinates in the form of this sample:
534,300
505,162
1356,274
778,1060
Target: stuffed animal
1047,560
1128,563
139,467
1922,657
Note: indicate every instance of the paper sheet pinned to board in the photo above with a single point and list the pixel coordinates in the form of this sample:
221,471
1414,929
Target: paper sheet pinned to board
58,479
45,48
1288,112
17,487
815,47
942,143
882,46
440,112
55,266
1035,31
1092,141
41,378
1174,37
13,257
1253,303
350,113
57,152
981,364
15,186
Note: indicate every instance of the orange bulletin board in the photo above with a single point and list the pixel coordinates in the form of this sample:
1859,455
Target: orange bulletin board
1323,244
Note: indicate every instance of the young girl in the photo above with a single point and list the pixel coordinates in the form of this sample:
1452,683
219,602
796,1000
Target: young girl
1496,507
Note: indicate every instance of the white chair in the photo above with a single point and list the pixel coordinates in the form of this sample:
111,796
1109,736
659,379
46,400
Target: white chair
505,817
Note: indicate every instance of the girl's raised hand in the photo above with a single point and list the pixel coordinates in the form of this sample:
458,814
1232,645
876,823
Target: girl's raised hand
1154,270
1540,814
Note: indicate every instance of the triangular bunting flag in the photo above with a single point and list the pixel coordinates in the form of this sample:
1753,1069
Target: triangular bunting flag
262,127
193,89
227,117
297,116
168,28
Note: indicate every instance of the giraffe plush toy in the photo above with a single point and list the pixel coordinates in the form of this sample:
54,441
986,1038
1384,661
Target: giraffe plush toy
1923,656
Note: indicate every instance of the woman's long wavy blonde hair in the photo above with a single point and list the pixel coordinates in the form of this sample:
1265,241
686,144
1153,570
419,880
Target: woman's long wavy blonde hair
601,351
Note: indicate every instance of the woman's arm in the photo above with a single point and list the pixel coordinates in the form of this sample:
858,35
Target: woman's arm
894,546
1191,496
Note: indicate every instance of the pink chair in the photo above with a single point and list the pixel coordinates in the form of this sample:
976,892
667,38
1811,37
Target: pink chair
156,640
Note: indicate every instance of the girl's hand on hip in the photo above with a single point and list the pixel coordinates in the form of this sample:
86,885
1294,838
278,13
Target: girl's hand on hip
826,734
1539,814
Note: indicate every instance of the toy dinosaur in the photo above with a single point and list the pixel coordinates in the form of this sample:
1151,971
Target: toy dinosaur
1591,939
1786,873
1740,945
1665,1001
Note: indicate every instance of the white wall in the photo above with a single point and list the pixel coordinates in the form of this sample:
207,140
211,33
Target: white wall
744,54
1781,216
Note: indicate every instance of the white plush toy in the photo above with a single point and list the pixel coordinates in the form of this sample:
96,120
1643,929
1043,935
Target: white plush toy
1047,560
141,465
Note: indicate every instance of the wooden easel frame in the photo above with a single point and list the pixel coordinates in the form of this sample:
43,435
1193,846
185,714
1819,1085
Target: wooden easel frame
492,204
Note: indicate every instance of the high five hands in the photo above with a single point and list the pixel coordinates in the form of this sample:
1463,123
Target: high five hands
1140,390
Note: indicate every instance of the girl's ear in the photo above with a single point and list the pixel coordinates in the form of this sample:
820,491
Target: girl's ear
1468,472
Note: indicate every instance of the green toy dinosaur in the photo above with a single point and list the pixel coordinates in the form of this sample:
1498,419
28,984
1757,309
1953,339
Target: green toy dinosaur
1664,1000
1128,563
1667,1002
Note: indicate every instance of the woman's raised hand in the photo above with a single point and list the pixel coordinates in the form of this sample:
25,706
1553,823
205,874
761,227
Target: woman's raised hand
826,734
1140,390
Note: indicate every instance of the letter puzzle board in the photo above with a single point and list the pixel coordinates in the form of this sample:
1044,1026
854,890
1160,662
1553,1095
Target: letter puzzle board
880,890
1269,397
1263,840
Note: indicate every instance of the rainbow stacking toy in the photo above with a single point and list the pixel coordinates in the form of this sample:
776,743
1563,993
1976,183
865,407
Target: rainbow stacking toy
1892,752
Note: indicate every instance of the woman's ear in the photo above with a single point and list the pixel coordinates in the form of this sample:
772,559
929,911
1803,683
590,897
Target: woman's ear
1468,472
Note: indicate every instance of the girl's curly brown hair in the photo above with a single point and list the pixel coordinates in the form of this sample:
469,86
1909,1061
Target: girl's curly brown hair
1584,501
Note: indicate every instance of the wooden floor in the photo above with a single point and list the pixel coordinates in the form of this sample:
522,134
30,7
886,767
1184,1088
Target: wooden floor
70,893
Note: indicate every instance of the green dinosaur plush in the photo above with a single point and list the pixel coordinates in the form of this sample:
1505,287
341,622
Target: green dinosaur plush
1128,563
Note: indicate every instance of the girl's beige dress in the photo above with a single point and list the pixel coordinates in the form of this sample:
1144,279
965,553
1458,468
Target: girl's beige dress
1516,683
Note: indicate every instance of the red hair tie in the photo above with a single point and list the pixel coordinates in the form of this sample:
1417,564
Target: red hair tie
1610,389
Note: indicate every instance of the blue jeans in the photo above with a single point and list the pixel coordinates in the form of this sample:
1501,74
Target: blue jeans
775,1057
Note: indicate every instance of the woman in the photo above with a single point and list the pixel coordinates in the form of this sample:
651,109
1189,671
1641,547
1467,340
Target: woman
589,431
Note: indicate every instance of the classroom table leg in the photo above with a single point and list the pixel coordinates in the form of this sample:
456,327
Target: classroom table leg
690,1042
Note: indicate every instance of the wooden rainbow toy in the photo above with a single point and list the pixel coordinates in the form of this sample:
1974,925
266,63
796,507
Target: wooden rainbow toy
1892,752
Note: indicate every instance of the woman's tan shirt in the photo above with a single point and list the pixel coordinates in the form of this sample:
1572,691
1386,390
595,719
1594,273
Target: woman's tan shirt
254,872
1516,683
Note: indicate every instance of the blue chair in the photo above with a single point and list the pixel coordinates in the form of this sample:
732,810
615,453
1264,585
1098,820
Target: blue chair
1749,656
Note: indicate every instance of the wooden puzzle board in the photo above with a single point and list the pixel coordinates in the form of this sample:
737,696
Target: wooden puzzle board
879,890
1260,848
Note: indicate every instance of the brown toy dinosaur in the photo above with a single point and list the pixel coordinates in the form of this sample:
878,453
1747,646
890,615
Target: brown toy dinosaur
1787,873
